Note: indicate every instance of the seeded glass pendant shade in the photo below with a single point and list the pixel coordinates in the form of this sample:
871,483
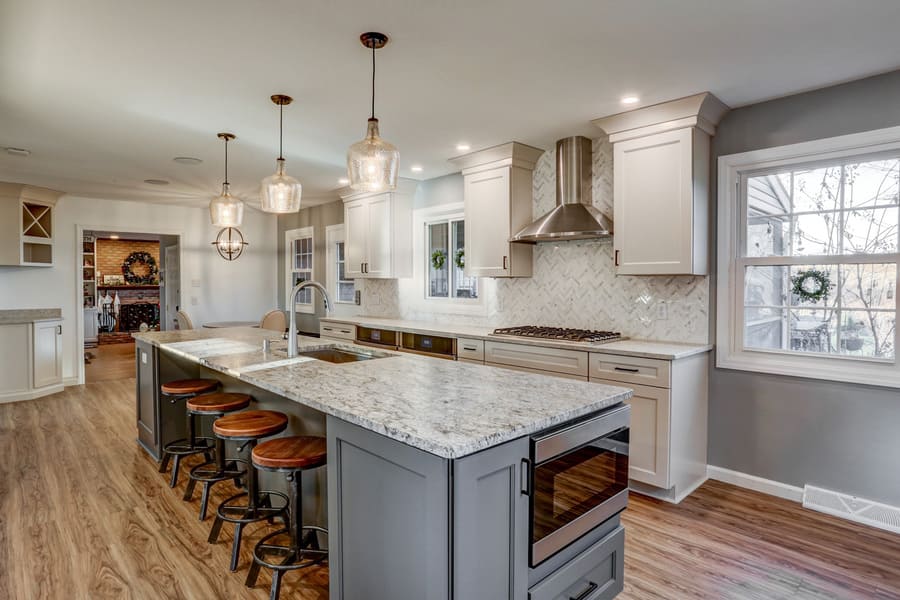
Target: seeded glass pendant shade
226,210
373,163
280,192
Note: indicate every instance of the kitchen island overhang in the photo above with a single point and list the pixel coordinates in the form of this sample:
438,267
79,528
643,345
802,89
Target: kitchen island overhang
427,457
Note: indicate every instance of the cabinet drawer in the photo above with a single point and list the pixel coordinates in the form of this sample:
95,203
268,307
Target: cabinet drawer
595,574
631,369
564,362
338,330
470,349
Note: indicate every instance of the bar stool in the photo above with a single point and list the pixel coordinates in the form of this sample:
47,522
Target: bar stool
184,389
291,456
220,469
248,427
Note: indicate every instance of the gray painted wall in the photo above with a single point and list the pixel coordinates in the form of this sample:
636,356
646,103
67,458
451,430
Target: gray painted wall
837,436
319,217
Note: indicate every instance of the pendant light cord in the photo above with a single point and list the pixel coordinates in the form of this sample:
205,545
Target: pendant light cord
281,130
226,162
373,78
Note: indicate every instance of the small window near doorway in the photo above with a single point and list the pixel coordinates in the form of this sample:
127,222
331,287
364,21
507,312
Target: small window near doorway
445,243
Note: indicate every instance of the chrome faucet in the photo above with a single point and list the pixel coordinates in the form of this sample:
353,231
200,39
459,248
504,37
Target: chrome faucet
292,301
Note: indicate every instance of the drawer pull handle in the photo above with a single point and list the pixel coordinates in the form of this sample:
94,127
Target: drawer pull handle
525,477
470,348
583,595
627,370
345,331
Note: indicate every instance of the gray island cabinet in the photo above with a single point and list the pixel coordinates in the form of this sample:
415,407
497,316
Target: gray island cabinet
429,481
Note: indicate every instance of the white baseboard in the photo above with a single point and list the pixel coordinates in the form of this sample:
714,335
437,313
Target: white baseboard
69,381
21,396
759,484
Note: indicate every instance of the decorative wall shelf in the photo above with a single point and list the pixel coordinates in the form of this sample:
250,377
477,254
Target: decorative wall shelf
26,225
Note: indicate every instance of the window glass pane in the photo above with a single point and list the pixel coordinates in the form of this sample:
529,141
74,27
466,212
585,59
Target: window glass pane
769,236
871,231
817,189
769,195
463,287
871,183
813,331
869,286
867,333
438,261
340,252
765,328
766,286
817,234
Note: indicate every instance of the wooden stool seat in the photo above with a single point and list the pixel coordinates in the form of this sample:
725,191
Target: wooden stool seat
183,387
250,424
219,402
293,452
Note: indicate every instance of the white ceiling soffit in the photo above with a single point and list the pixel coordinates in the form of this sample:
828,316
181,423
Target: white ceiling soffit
106,93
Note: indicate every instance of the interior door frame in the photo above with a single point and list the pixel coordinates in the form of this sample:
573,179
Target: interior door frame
79,278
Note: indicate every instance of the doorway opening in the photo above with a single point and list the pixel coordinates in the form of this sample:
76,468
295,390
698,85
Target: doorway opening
131,282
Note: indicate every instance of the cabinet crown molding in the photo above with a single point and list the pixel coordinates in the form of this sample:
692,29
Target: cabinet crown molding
22,191
404,186
703,111
510,153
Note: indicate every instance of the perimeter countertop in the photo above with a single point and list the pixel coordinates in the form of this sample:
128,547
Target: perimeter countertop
448,408
29,315
629,347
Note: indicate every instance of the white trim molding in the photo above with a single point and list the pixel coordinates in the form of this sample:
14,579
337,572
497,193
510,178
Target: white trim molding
730,353
757,484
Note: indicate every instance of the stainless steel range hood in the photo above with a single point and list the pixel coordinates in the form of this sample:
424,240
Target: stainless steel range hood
574,217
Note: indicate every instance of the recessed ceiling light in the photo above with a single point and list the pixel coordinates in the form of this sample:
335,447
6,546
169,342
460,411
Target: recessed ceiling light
463,147
630,100
18,151
113,237
156,181
187,160
343,181
416,168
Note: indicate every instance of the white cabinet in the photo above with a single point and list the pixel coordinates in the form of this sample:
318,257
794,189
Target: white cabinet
498,195
47,353
26,225
660,185
378,233
32,359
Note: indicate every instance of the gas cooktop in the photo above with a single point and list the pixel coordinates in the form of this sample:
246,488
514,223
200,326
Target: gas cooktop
561,334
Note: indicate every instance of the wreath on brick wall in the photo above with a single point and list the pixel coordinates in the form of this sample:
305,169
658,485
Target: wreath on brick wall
140,258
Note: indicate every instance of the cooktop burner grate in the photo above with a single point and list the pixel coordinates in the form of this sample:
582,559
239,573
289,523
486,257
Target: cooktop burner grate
560,333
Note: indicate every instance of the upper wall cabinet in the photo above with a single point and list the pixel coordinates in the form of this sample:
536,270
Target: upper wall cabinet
378,233
498,193
26,225
661,185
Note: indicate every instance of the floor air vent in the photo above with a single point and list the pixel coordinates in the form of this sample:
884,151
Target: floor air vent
852,508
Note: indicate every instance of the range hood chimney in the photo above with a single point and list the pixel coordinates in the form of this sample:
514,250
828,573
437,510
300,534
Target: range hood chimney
574,217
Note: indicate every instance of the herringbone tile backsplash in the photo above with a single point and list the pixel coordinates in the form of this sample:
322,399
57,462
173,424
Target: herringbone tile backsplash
574,283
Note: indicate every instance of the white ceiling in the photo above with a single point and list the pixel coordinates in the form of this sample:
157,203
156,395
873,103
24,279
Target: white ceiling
106,92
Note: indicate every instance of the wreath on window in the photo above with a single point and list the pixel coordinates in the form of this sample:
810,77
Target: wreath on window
144,259
811,285
438,258
460,259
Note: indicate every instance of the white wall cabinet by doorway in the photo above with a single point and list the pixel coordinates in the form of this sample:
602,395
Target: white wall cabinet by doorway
47,353
32,365
378,233
26,225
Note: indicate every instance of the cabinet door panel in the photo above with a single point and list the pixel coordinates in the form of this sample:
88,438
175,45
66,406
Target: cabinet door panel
379,236
14,368
487,197
653,199
356,228
47,354
648,451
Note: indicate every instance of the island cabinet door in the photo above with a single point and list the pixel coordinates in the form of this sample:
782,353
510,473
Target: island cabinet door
147,398
388,518
490,523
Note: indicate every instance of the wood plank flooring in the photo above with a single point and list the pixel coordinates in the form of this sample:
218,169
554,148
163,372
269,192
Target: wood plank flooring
111,361
84,514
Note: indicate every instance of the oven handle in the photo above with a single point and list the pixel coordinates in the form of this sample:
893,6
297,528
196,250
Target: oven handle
583,595
557,443
525,477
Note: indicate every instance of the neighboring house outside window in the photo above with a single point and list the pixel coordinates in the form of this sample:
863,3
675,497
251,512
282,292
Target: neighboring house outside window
808,260
342,288
299,260
445,261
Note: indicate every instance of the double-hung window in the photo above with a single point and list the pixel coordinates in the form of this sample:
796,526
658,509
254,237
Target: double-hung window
340,286
299,260
808,260
445,242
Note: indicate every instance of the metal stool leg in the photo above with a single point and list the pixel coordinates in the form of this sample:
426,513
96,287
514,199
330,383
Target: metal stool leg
175,464
236,546
276,584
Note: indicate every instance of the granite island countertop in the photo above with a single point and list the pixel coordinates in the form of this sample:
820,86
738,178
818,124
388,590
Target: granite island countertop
448,408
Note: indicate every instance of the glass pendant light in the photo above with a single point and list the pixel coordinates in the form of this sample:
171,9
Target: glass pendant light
280,192
372,163
225,210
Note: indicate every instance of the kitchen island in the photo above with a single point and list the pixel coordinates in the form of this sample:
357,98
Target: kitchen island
429,461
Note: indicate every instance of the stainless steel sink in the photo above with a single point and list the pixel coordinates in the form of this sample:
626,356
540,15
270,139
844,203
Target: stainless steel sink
336,355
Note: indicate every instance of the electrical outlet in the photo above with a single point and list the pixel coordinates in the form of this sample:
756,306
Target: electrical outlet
662,310
357,297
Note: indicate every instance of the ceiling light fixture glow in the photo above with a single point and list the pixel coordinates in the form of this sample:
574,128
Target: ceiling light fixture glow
343,181
114,237
280,192
630,100
463,147
416,168
373,163
226,210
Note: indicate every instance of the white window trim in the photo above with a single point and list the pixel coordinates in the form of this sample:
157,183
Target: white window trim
289,237
414,288
729,297
333,235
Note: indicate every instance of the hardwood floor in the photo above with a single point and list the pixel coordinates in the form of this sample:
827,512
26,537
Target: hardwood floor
111,361
85,514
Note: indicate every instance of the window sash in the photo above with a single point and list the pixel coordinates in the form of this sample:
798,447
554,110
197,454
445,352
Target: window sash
339,249
455,275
